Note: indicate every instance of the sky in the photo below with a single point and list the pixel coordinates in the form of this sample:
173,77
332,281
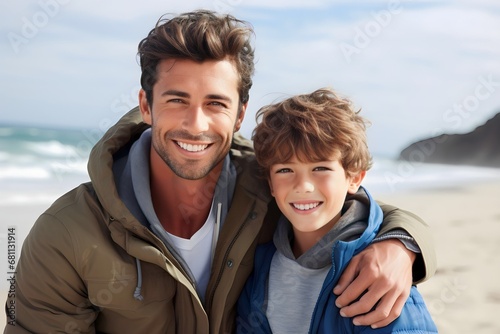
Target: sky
415,68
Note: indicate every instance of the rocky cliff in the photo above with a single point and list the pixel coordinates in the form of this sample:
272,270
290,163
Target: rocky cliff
480,147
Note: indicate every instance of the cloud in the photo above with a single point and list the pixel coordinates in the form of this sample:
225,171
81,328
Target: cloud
417,66
406,69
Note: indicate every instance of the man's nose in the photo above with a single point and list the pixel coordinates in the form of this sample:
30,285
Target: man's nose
196,120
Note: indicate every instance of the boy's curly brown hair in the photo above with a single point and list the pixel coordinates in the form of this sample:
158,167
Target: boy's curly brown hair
312,127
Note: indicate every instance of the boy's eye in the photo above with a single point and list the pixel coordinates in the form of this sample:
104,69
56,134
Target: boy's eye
321,168
283,170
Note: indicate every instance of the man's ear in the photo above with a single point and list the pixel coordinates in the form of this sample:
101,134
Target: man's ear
355,182
241,116
144,107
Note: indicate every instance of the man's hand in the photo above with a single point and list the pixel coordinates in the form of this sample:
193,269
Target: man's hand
381,276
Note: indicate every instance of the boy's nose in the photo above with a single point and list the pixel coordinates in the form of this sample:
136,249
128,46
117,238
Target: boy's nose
303,184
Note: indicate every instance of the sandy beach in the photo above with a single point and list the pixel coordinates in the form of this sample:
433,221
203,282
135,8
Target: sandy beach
463,296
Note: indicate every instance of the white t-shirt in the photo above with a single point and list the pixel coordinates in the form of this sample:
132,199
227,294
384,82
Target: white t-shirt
197,253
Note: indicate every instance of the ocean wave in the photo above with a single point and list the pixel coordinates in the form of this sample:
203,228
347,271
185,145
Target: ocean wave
26,173
42,170
28,199
54,148
29,153
48,155
388,176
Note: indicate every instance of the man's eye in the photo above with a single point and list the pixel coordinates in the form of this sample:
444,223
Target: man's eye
217,103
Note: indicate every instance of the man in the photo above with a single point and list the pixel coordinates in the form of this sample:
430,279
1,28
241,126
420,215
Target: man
162,239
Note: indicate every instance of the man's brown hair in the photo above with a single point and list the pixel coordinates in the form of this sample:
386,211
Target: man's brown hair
199,36
313,127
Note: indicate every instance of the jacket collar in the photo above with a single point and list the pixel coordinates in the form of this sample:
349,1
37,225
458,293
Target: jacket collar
118,139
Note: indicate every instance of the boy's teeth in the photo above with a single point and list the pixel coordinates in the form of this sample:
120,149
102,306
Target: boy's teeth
192,148
304,207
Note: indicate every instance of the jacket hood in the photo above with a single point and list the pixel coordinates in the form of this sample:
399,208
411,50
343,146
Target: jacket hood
100,165
123,134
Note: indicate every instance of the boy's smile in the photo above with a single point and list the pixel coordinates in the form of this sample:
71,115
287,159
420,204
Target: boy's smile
305,206
311,195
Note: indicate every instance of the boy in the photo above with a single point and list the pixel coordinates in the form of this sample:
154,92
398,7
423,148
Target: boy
312,149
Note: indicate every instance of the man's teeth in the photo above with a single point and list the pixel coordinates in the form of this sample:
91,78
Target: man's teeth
192,148
304,207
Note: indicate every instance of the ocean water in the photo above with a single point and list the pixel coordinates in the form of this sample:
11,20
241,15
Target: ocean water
396,176
37,165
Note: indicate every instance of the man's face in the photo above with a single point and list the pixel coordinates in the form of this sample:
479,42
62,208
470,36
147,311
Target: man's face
193,115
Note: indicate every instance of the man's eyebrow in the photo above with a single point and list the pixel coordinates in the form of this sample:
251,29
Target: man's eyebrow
180,93
219,97
175,93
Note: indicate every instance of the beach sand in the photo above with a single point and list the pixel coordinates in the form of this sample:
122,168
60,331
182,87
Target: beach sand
463,296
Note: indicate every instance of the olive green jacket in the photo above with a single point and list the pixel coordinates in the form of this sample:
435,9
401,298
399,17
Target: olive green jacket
78,268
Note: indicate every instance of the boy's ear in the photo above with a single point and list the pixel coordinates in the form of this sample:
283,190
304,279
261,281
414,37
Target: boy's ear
355,182
270,186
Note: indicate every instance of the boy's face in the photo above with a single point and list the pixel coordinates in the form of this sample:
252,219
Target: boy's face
311,194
